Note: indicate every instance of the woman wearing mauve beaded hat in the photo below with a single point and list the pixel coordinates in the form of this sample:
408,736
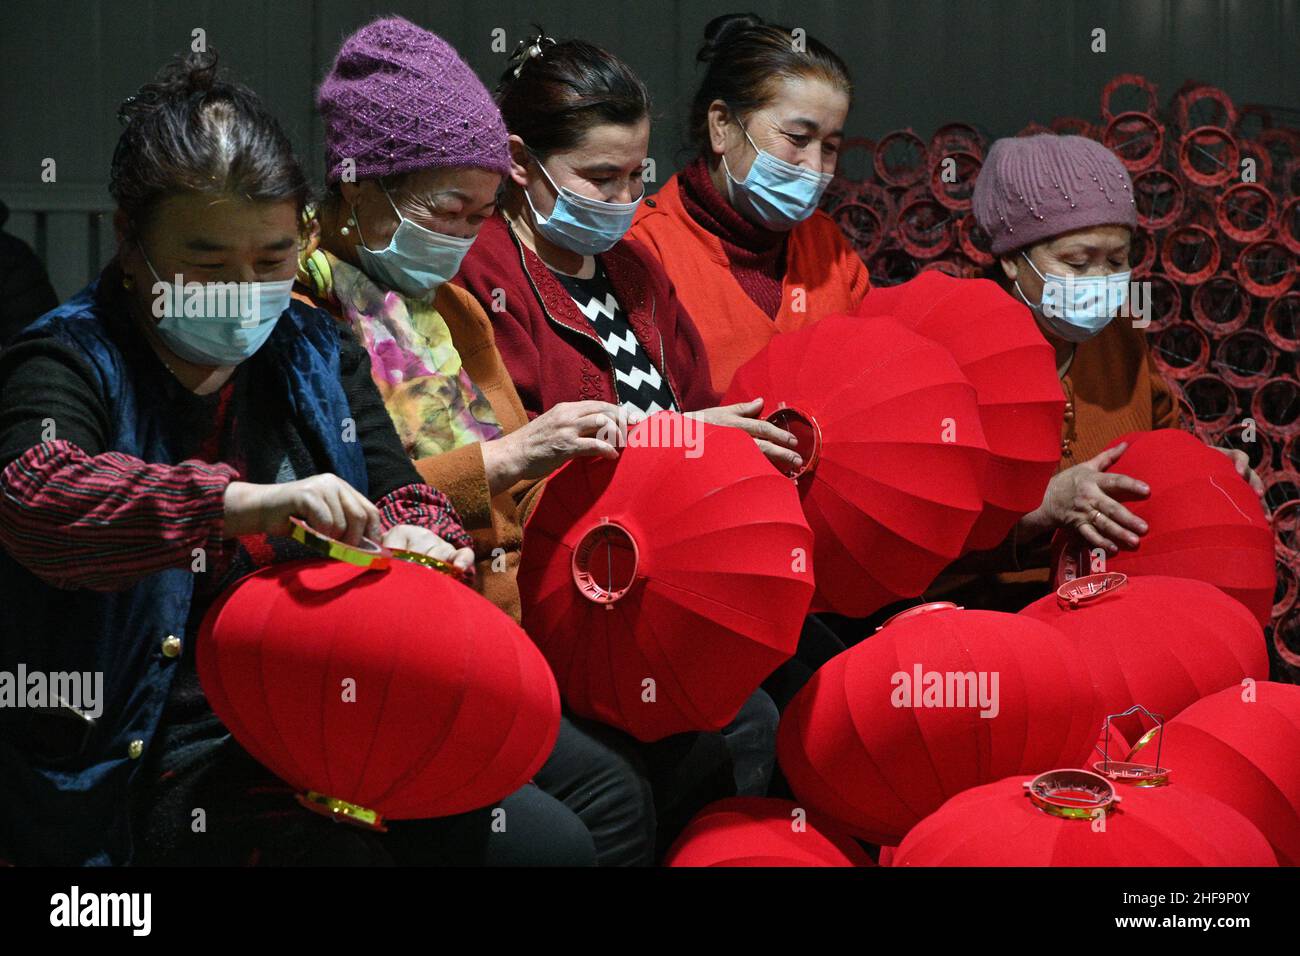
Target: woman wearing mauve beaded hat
415,154
1060,214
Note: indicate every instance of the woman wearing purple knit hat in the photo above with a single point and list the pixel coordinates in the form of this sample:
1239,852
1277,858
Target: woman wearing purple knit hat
415,152
1060,213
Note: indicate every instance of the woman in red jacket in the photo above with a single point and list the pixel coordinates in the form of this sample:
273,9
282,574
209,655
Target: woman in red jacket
738,230
578,311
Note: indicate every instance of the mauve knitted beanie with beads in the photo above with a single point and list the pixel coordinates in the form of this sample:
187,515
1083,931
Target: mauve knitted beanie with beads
400,98
1032,188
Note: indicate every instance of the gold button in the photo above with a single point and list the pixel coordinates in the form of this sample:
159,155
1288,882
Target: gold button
135,749
171,646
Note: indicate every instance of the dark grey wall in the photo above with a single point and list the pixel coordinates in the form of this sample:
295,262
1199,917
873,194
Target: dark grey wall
66,64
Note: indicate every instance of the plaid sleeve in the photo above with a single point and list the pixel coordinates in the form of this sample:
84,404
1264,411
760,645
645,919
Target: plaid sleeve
103,522
426,507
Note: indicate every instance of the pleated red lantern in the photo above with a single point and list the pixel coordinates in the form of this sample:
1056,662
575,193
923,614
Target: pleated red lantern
887,731
1204,522
893,452
1057,821
391,692
761,831
1000,350
1153,640
664,587
1242,747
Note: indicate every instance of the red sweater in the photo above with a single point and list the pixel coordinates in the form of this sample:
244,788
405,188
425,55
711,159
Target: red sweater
550,349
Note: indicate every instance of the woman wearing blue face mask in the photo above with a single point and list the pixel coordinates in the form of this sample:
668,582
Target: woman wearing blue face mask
738,230
388,243
1060,214
579,312
157,433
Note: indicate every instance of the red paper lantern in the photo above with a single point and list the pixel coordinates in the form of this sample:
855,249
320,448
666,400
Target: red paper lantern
665,586
1057,821
1002,353
760,831
872,742
1157,641
1205,522
382,692
1242,747
893,452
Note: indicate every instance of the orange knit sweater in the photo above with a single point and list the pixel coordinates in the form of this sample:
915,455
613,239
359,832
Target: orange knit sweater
823,275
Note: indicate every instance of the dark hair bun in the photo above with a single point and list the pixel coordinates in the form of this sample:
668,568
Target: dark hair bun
181,78
721,30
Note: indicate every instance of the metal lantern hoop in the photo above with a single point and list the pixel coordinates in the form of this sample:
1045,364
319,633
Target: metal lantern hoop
1275,407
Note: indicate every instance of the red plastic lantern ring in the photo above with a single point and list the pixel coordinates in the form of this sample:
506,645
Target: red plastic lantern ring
911,169
1158,196
611,549
924,228
1288,225
1165,302
1074,794
1196,238
1212,399
863,225
1245,359
1276,406
1184,102
1286,529
1194,146
1128,129
1088,587
1170,352
1221,305
1129,80
974,242
929,607
1246,212
1277,272
807,433
1282,322
964,185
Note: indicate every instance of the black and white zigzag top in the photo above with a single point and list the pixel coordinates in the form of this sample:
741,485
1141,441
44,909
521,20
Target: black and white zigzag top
639,384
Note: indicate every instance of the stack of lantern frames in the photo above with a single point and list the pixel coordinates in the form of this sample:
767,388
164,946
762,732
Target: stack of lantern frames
1217,187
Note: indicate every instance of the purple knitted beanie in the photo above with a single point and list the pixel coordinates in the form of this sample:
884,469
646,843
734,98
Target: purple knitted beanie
400,98
1034,187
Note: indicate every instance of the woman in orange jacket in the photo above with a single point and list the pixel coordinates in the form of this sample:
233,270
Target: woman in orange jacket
738,230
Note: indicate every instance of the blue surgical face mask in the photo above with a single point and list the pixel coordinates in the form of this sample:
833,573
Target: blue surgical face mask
774,193
1076,308
218,323
416,260
582,225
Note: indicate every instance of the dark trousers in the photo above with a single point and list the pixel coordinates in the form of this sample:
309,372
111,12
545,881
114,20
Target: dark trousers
250,817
